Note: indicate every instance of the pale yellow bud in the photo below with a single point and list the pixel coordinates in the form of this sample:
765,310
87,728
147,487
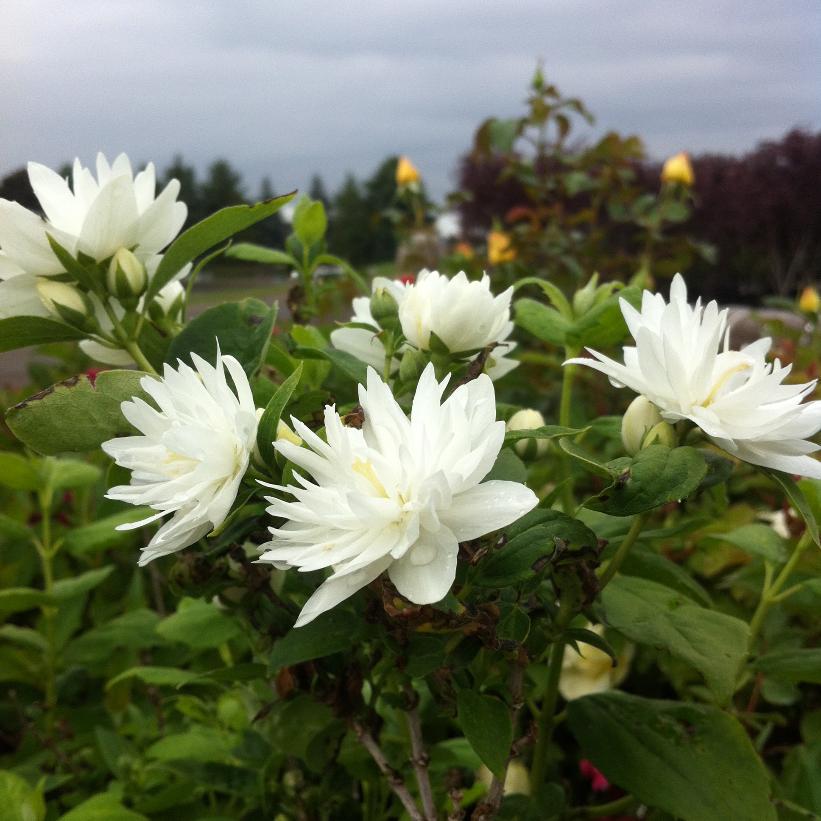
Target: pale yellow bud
528,419
639,418
809,301
126,278
678,168
406,173
499,249
285,433
517,778
592,670
62,300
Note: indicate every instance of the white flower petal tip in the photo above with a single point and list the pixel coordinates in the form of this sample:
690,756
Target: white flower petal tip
683,364
192,453
397,494
464,315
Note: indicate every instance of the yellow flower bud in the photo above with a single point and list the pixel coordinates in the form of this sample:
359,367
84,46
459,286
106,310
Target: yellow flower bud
406,173
592,670
284,432
499,249
64,301
126,278
528,419
678,168
517,778
639,418
809,301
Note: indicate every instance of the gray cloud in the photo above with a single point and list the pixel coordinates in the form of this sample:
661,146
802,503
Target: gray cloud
289,88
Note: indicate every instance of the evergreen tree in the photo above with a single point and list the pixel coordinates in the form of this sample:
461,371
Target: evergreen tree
348,232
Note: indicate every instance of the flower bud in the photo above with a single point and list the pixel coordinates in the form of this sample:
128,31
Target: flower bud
406,173
585,298
678,169
528,419
661,434
639,418
384,308
286,434
126,278
809,302
499,249
168,302
65,301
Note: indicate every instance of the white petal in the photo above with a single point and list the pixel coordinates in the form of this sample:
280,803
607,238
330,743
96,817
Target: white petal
488,507
430,582
111,221
18,297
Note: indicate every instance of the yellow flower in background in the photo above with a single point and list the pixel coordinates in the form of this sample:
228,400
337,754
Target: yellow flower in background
406,173
499,249
592,670
809,301
678,168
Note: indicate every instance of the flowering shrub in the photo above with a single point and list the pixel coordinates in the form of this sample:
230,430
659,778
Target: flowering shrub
417,565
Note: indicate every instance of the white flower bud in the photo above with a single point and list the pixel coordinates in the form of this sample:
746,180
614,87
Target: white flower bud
528,419
126,278
64,301
639,418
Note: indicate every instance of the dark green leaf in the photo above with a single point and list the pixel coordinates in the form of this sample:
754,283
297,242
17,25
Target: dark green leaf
508,467
797,499
352,367
22,331
19,473
756,539
691,760
329,633
485,721
103,534
78,585
603,326
544,432
795,664
267,429
259,253
76,415
20,599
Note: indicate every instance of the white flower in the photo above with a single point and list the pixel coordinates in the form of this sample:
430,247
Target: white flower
397,495
464,315
193,451
591,670
735,397
95,217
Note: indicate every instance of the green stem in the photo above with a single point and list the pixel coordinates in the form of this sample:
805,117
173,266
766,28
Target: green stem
770,591
546,721
127,343
47,551
629,540
603,810
565,404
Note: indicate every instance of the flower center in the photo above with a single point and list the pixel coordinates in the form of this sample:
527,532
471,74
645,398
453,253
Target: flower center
722,381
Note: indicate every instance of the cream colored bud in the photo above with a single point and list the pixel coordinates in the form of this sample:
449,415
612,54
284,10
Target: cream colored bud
638,420
286,434
528,419
126,276
64,301
168,302
591,670
517,778
661,434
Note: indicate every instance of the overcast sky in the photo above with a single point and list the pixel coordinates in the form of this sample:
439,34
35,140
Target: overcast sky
288,87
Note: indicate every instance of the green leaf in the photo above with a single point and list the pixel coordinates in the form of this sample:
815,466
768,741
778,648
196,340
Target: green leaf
208,233
485,721
543,322
649,613
20,599
104,807
310,221
22,331
352,367
797,500
690,760
756,539
259,253
71,473
552,292
655,476
645,564
158,676
77,414
70,588
242,329
590,462
199,744
795,664
508,467
198,624
267,429
515,560
19,473
19,801
329,633
350,271
134,630
101,535
603,326
544,432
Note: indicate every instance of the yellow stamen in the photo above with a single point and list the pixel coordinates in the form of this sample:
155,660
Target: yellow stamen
722,380
366,469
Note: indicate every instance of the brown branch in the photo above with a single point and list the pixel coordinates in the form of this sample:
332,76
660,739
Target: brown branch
419,758
394,779
488,808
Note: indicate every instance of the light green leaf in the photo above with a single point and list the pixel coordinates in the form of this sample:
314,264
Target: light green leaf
134,629
795,664
258,253
18,800
20,599
77,414
19,473
649,613
199,744
69,588
198,624
690,760
88,540
544,432
756,539
241,329
352,367
485,721
103,807
208,233
543,322
159,676
310,222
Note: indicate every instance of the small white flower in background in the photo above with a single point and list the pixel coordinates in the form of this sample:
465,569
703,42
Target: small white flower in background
592,670
528,419
397,495
95,217
464,315
739,400
193,451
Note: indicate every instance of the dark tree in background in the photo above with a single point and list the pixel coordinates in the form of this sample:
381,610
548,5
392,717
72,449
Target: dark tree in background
16,187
